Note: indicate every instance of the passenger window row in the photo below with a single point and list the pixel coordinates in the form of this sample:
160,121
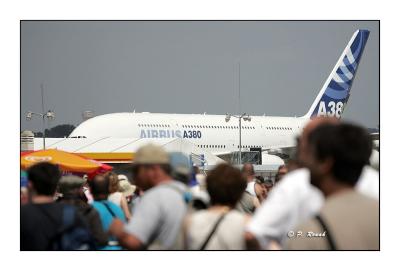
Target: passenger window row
213,127
279,128
224,146
155,125
217,126
212,146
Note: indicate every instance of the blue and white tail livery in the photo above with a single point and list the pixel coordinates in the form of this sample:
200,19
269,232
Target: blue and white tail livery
334,94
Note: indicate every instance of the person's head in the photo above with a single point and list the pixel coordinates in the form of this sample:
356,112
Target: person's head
337,154
151,166
43,179
99,187
125,187
181,167
225,185
302,143
248,171
113,181
71,187
282,170
261,190
268,184
24,195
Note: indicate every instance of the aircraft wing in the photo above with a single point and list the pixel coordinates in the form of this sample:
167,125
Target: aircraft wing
283,151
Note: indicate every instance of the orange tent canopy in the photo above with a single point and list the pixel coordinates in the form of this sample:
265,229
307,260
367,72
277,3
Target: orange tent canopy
65,160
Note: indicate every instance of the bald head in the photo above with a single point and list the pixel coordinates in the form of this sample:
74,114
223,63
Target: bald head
99,187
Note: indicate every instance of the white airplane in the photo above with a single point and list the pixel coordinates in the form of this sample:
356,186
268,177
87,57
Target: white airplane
219,134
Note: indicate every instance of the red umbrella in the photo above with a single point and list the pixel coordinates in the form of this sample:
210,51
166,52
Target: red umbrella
103,168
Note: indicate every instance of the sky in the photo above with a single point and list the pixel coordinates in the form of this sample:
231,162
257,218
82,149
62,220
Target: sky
190,67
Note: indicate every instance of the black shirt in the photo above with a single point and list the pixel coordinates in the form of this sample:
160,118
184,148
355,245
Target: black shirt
41,222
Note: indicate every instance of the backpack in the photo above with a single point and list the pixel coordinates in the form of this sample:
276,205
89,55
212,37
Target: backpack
70,236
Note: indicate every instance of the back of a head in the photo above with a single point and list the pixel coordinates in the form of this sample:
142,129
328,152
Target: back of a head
44,178
225,185
348,145
99,187
70,185
113,181
181,168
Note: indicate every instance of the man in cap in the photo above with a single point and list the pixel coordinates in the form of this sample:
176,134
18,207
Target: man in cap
71,189
159,214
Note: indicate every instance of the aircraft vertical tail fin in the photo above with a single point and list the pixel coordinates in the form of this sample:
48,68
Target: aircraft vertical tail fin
333,96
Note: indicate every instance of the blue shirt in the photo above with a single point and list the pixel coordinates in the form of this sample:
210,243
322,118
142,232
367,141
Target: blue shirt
106,217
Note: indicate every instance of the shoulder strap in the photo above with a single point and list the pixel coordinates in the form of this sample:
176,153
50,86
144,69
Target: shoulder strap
109,209
331,243
205,243
187,197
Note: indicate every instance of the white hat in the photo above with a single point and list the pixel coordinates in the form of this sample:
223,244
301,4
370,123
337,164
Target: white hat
125,186
251,189
122,177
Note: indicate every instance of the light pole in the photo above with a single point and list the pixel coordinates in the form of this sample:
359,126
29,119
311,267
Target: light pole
50,115
245,117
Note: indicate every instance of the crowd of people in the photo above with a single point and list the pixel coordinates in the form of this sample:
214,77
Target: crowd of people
326,198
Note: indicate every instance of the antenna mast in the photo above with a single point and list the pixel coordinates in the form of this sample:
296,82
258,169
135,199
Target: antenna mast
240,108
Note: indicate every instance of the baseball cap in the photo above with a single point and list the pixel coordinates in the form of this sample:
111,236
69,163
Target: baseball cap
180,163
70,182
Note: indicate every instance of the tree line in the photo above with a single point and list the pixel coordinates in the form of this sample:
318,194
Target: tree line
62,130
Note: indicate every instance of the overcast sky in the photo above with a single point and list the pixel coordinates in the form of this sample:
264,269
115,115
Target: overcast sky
190,67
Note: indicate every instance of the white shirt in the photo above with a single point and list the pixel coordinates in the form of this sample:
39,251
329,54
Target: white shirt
229,235
369,182
251,189
294,200
115,198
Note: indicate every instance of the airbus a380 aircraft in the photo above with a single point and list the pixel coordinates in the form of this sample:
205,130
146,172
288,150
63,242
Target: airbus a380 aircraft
219,136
